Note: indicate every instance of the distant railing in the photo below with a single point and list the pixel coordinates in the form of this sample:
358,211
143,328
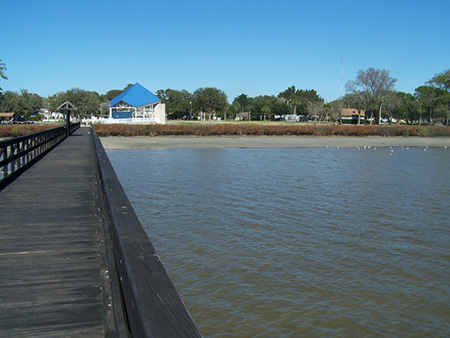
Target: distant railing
152,305
74,126
135,120
19,153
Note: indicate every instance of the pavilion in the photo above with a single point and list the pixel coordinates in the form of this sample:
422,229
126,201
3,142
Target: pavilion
136,105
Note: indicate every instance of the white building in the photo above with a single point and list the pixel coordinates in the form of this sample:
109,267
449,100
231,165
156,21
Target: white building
136,105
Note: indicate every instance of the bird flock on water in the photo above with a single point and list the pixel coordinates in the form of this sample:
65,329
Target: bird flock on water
391,148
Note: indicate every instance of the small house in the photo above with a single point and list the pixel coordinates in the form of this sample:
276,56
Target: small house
6,117
352,116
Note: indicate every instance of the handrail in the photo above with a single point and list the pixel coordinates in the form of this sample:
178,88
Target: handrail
74,126
17,154
152,305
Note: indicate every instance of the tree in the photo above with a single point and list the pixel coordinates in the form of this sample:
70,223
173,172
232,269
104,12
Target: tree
88,103
372,87
110,94
243,100
299,100
280,108
288,94
2,71
406,108
427,99
350,100
296,103
234,109
29,103
441,81
318,110
178,103
10,102
328,109
25,103
336,108
260,107
210,100
266,111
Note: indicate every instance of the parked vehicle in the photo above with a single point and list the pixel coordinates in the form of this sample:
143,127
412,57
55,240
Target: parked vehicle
21,120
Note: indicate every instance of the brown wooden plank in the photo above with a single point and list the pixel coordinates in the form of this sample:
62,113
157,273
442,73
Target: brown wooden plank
71,248
52,268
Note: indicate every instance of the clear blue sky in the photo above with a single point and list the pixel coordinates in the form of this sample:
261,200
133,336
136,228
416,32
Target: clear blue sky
251,47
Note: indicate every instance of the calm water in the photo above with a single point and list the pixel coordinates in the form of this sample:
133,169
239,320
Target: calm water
300,242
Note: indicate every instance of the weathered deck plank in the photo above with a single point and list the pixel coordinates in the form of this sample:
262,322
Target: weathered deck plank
51,259
74,258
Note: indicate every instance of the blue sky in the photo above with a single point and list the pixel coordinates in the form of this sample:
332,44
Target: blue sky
251,47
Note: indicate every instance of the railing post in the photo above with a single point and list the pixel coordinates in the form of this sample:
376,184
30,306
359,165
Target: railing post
5,156
68,123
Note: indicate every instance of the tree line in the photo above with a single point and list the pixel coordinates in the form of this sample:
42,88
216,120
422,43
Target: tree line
182,104
373,91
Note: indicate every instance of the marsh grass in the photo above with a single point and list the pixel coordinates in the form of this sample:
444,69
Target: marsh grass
258,129
20,130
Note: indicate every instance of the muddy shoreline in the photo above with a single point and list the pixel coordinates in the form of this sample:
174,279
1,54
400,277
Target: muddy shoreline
180,142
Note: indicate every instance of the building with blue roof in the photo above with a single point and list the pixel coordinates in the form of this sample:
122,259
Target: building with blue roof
137,105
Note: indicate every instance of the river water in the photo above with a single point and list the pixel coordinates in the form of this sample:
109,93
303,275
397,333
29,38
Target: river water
300,242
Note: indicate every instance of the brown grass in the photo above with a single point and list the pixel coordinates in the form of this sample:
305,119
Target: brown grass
20,130
268,130
234,129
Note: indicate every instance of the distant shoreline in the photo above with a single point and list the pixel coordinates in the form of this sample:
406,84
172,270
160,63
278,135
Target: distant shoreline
189,142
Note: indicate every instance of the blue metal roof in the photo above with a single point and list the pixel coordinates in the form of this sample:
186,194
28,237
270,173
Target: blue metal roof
136,96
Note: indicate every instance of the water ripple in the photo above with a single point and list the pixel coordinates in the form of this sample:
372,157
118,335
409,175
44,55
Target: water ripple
300,242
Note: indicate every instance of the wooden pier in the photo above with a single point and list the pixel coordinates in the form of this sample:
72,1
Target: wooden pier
75,260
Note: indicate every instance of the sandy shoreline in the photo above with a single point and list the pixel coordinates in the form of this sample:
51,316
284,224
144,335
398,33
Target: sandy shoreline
174,142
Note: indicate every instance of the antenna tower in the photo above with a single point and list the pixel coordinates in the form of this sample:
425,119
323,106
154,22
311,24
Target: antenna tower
342,76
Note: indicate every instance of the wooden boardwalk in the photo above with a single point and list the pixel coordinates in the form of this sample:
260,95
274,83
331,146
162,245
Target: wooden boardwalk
54,273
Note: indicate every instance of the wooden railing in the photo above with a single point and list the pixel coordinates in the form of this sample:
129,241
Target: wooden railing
74,126
152,305
19,153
